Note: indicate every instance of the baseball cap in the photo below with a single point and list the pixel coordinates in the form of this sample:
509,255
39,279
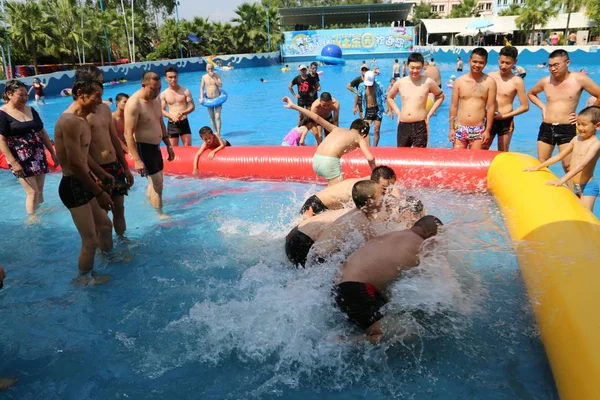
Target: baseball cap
364,66
301,67
369,78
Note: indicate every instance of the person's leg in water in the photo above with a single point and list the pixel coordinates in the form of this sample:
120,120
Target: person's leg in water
218,119
186,139
118,212
44,100
83,217
32,195
37,99
40,179
211,115
155,189
103,225
377,128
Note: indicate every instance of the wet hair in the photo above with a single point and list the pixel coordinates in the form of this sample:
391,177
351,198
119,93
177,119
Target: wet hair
262,79
170,68
12,86
361,126
120,96
325,96
396,60
205,130
86,85
90,71
287,65
150,76
362,191
382,171
306,120
415,57
429,224
412,204
593,112
509,51
431,59
543,63
559,53
481,52
314,63
110,99
458,58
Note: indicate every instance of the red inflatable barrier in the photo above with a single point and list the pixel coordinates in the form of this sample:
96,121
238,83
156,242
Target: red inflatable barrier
456,169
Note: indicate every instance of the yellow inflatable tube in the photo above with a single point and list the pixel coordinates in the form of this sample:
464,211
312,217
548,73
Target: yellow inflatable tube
557,242
211,62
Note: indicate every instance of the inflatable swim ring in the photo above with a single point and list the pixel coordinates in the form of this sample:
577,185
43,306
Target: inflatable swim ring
225,68
430,102
284,69
66,92
331,60
217,101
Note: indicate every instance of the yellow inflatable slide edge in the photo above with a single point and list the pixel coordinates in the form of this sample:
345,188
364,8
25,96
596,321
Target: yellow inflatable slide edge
557,242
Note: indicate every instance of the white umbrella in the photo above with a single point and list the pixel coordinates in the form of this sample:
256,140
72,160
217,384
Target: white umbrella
472,32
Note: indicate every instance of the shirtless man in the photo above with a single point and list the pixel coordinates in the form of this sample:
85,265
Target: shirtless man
327,158
367,197
508,86
563,90
107,154
471,123
365,276
144,130
396,69
373,97
353,87
78,190
210,87
328,108
459,64
414,91
337,196
119,119
433,72
180,103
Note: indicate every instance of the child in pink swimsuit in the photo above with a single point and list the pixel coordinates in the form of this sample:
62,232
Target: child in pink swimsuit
296,136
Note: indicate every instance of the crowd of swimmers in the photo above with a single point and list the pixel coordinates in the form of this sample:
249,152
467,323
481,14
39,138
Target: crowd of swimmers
91,145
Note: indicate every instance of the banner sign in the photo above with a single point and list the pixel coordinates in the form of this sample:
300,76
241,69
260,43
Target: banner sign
351,41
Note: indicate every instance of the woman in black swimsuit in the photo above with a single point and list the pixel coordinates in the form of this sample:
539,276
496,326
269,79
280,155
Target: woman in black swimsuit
22,142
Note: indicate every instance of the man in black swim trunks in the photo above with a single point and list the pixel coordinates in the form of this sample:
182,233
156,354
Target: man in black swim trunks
353,87
366,274
143,118
78,190
563,90
180,104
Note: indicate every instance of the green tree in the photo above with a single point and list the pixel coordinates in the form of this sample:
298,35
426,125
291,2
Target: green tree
466,8
513,9
535,13
29,27
571,6
252,27
95,24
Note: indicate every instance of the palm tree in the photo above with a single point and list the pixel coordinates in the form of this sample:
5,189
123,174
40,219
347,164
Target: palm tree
535,13
422,11
467,8
252,27
28,27
571,6
95,24
513,9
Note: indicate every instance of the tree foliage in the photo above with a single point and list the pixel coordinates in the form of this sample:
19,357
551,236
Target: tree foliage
512,10
535,14
467,8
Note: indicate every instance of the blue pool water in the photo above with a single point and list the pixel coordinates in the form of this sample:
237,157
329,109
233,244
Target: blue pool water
206,306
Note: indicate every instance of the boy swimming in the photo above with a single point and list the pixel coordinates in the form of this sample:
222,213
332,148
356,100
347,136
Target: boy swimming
584,150
326,161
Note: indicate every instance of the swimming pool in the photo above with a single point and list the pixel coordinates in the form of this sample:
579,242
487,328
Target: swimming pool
205,305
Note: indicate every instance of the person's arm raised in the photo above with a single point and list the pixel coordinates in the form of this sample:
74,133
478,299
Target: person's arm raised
314,116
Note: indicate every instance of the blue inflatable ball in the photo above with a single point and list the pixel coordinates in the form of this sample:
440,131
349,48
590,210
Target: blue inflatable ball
331,54
331,50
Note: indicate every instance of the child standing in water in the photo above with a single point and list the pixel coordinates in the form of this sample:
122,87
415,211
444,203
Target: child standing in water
296,136
585,150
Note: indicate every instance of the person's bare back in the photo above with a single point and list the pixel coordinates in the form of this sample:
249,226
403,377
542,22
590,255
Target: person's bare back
337,196
314,227
433,72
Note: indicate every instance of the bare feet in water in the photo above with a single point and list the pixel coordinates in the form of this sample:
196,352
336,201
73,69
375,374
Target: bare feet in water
5,383
33,219
91,279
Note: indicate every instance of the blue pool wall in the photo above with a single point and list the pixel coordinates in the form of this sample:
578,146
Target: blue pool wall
447,54
57,81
